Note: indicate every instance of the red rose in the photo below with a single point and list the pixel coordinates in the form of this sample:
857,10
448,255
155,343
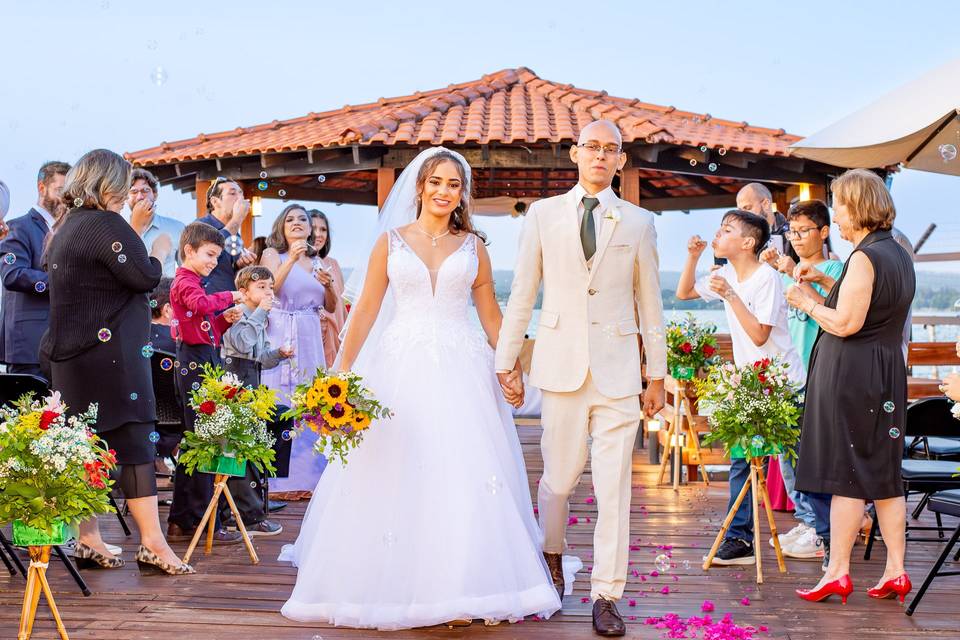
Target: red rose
761,377
47,418
231,391
757,364
765,363
708,350
207,407
686,347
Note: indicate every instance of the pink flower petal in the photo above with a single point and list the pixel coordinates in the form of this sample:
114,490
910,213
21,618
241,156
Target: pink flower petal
584,600
631,602
745,602
707,606
665,590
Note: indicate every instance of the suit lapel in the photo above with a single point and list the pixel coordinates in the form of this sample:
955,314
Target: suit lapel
606,233
38,219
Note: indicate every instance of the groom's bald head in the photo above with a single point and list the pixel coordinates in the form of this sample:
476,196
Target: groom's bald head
598,155
591,130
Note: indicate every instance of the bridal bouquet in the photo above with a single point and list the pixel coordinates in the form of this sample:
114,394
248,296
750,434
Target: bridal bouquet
54,470
754,409
338,408
690,347
231,425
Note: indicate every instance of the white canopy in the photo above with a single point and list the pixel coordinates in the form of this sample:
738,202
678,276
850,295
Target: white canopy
916,125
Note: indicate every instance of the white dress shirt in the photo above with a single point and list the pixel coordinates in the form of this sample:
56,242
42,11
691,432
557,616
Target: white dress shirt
607,199
47,217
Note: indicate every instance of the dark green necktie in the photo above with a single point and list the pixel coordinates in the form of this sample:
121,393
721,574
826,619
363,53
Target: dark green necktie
588,230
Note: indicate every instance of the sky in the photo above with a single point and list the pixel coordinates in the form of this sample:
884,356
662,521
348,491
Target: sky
83,74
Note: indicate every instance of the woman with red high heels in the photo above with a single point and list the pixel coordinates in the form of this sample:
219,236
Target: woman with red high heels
852,437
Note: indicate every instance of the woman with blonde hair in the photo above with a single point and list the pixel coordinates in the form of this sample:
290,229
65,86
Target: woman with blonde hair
97,344
853,426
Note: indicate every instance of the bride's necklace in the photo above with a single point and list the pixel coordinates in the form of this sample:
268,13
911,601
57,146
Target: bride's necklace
433,238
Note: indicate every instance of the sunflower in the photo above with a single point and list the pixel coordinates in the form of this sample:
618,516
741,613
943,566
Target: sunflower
334,390
313,397
339,415
360,421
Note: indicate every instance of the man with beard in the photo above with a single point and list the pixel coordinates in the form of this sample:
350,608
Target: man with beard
26,305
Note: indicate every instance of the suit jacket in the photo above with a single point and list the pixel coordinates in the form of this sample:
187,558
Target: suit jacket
26,310
589,318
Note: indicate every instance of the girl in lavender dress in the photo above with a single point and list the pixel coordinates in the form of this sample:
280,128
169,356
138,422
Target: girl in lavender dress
302,291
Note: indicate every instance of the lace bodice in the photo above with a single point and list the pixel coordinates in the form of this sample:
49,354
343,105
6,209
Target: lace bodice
432,311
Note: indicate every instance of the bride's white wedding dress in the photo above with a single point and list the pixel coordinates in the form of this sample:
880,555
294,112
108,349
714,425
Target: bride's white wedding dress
431,519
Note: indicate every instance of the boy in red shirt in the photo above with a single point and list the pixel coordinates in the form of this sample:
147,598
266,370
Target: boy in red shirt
197,329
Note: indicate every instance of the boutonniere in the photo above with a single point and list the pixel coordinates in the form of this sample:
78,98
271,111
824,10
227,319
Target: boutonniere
613,215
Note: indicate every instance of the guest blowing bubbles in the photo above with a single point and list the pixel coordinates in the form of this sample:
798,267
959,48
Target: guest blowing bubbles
100,274
852,439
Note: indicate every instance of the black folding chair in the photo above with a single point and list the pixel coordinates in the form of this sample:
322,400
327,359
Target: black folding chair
929,417
944,502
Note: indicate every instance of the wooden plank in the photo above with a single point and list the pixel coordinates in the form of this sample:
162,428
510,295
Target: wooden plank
200,189
937,257
630,185
386,176
932,353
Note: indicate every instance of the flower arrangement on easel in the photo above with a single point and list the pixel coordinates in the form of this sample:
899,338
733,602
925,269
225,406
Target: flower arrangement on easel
691,347
754,411
54,473
230,430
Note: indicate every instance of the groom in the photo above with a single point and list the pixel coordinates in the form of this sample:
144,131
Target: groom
596,256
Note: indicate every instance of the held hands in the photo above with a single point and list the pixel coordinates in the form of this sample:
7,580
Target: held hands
770,255
779,261
805,274
297,249
240,210
266,304
511,383
696,246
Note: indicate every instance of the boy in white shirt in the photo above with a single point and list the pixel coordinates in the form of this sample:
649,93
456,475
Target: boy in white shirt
752,295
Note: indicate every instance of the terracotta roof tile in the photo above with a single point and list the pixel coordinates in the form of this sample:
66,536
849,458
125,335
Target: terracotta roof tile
509,106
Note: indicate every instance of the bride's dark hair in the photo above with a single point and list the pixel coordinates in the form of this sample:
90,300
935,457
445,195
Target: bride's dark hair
460,218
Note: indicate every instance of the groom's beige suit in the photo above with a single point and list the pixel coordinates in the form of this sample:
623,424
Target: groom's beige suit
586,359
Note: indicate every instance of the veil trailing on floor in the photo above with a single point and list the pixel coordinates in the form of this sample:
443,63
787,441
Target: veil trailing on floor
399,209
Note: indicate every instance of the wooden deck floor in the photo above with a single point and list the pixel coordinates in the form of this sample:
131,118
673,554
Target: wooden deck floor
231,600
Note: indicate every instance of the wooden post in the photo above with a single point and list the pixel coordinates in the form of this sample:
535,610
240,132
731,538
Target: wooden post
202,186
246,228
630,185
219,488
386,176
37,584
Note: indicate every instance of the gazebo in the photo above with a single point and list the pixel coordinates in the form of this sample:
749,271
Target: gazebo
514,128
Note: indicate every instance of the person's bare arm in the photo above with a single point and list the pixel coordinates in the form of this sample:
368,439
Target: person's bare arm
364,312
853,301
759,333
281,269
688,277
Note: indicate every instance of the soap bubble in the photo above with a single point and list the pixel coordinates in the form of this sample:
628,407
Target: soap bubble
722,151
888,406
234,245
389,539
263,174
158,76
192,365
154,437
321,178
133,396
9,258
494,485
282,193
712,166
262,185
948,152
693,162
195,386
757,442
78,202
253,484
189,314
166,364
183,371
205,326
117,247
703,148
146,351
153,304
40,287
152,45
104,335
894,432
285,434
662,563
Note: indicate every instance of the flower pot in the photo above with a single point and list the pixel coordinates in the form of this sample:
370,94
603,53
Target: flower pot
26,536
736,451
683,373
227,465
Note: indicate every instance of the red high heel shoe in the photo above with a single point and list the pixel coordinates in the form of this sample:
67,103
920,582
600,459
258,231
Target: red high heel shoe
842,587
899,587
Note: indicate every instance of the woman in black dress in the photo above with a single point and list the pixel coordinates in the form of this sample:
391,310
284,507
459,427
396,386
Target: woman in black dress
97,346
852,438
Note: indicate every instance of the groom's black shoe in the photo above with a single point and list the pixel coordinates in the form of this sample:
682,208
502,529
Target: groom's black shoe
606,619
555,565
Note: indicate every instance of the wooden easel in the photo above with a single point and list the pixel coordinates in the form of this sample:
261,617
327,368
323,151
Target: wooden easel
681,407
37,583
758,480
219,486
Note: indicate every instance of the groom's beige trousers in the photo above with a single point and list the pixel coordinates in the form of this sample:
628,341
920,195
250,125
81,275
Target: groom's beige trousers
568,420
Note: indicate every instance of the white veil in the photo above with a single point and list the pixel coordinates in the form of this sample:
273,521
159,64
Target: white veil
399,209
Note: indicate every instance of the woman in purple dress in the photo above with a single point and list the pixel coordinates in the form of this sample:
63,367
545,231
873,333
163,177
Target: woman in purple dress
302,291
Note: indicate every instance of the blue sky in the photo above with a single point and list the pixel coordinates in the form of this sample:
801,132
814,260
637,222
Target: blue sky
77,75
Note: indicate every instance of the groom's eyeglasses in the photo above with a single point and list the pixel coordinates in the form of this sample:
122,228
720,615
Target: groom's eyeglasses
593,148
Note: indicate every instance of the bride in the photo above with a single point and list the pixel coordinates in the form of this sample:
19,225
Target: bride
430,521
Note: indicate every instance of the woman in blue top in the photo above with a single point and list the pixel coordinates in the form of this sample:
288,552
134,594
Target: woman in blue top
809,237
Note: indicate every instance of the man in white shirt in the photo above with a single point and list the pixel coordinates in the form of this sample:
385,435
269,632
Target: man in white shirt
144,188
